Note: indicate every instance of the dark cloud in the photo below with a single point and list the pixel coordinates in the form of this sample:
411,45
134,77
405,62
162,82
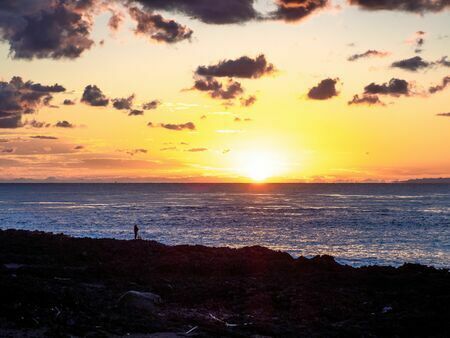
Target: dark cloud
440,87
7,150
443,114
46,28
197,150
37,124
135,112
151,105
395,87
64,124
217,90
158,28
413,64
365,99
217,12
123,103
415,6
296,10
18,98
325,90
179,127
42,137
78,147
93,96
68,102
367,54
244,67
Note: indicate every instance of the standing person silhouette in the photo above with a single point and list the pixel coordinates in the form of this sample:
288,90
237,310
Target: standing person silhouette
136,231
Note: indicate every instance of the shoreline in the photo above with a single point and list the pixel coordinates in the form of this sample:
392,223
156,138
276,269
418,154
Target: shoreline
59,285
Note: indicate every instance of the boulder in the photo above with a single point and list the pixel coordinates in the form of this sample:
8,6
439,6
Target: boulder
141,301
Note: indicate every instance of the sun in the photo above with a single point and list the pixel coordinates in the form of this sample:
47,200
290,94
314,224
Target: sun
259,165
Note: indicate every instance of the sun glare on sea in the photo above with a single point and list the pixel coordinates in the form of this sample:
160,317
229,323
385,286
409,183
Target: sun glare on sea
258,165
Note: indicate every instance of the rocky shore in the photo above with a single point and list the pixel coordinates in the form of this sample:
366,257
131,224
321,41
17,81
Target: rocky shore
58,286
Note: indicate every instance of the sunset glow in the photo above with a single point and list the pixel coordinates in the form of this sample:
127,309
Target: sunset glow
332,93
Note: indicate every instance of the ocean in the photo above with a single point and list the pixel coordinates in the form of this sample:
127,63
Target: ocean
359,224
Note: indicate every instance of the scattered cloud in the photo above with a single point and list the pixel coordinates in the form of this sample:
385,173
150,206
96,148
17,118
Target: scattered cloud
366,99
123,103
197,150
440,87
325,90
248,101
221,12
157,28
413,64
46,29
151,105
296,10
43,137
68,102
135,112
231,90
367,54
64,124
18,98
444,114
414,6
395,87
243,67
93,96
178,127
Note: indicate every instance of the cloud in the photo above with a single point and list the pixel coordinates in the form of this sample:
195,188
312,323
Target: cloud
296,10
440,87
395,87
133,152
42,137
151,105
179,127
443,62
68,102
231,90
197,150
47,28
413,64
325,90
243,67
135,112
7,150
217,12
78,147
414,6
443,114
157,28
370,100
249,101
18,98
37,124
93,96
64,124
367,54
123,103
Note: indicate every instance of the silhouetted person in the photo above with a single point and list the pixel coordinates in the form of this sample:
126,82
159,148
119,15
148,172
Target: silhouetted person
136,232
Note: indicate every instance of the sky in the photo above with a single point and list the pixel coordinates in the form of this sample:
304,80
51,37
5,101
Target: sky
224,90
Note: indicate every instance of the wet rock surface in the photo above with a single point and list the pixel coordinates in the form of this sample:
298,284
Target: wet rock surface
54,285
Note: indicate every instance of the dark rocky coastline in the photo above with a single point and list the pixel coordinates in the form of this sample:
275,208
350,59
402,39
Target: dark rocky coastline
54,285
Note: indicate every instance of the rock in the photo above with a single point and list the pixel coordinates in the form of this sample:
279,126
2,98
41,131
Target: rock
143,301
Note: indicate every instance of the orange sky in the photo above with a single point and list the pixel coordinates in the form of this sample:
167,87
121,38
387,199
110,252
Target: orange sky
286,135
